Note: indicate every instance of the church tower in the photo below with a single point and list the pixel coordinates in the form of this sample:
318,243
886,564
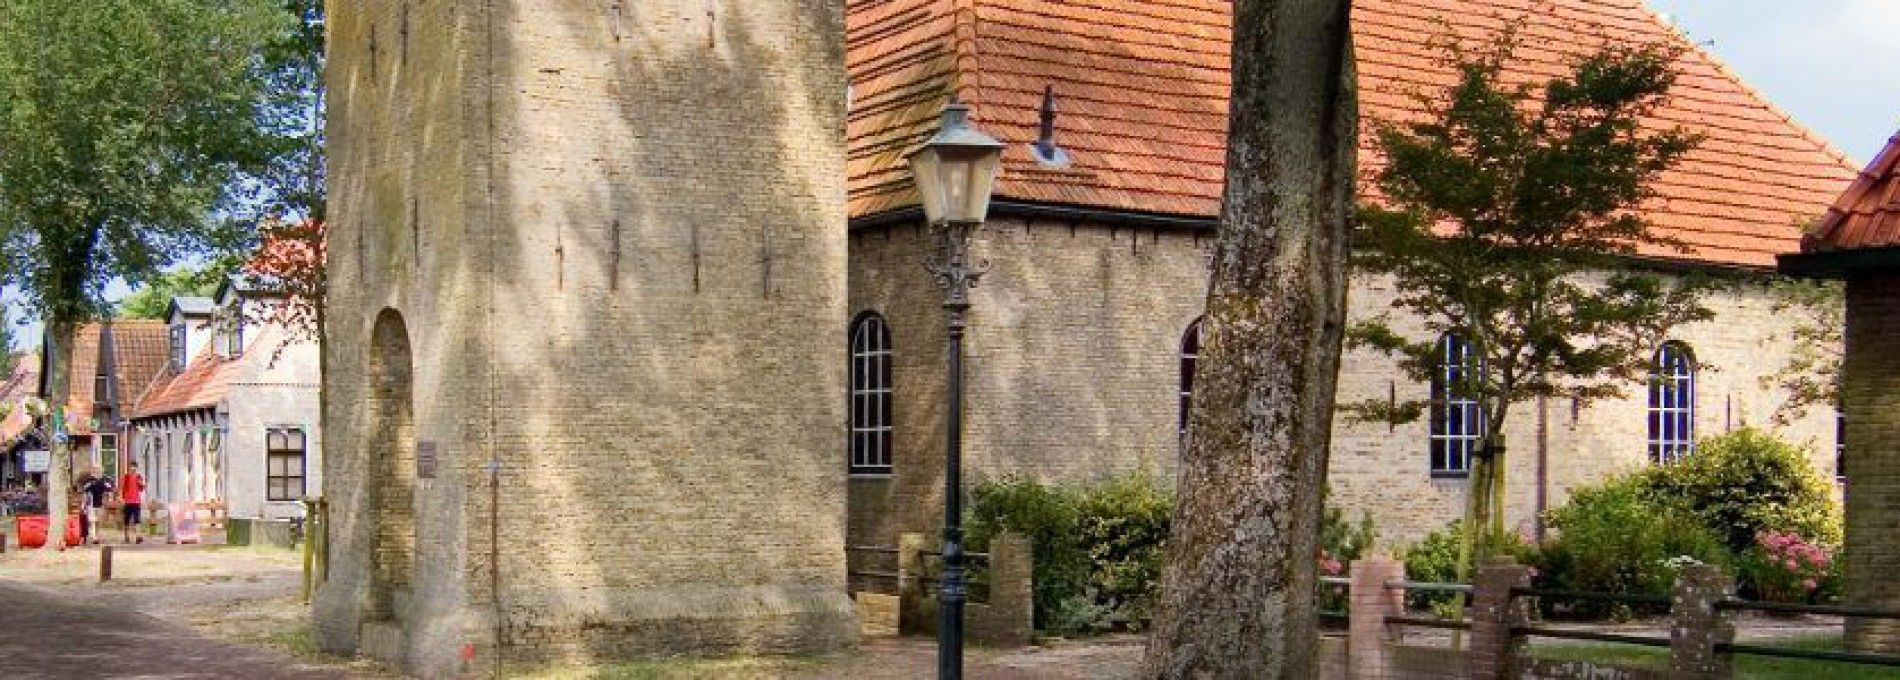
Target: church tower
584,349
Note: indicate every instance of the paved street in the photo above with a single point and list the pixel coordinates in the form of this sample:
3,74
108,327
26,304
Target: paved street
45,636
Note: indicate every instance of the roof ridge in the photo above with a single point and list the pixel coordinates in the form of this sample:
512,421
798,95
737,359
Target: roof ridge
1722,68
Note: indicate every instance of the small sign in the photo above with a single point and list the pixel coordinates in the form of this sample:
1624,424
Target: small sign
184,525
425,460
38,461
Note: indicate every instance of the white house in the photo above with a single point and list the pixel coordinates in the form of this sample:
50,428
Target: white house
232,425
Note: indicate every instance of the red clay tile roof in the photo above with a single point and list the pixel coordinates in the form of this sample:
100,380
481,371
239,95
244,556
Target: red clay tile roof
207,379
1142,92
1867,215
136,363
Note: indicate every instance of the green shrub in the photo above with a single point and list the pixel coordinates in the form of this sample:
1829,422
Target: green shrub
1747,482
1435,560
1049,518
1124,528
1616,538
1341,541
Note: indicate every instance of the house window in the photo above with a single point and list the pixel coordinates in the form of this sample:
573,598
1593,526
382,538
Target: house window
1458,421
1672,404
870,396
233,335
100,387
109,456
1190,353
177,346
284,464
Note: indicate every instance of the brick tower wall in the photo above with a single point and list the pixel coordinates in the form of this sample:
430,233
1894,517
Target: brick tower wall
615,236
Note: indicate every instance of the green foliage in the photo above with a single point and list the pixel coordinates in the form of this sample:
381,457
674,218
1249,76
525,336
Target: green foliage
1049,518
1616,538
1124,525
1098,548
152,299
1344,541
1505,208
1434,559
1812,375
125,124
1747,482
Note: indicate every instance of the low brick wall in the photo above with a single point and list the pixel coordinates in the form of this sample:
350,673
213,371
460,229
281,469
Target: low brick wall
1006,617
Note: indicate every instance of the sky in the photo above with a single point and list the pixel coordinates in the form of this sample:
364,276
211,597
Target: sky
1828,63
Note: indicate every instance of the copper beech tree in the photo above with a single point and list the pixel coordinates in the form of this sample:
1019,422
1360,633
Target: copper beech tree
1238,589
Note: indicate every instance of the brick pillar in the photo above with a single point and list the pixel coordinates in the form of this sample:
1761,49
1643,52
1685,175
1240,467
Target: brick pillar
1496,654
1696,626
912,616
1011,609
1870,399
1369,602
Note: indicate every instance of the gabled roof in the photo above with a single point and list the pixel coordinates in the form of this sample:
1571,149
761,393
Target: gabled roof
1867,214
208,378
139,351
1142,88
191,306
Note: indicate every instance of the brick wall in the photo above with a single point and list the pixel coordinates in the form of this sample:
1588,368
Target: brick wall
614,236
1073,366
1870,396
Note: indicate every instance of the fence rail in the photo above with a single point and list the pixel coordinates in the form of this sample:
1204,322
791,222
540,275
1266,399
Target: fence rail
1591,595
1589,636
1429,622
1428,585
1811,654
1825,609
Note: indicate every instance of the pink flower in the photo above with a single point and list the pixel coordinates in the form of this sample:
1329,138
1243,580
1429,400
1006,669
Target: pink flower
1810,584
1790,564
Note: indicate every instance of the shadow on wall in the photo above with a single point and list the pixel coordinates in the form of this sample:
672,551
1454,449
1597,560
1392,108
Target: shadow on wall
681,304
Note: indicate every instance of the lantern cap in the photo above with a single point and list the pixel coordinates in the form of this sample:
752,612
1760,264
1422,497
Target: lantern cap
955,130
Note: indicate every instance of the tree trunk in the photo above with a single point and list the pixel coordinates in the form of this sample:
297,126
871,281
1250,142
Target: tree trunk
1239,587
59,374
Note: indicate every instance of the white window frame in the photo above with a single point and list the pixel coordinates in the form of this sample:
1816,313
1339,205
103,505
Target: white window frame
1458,423
301,453
1671,410
871,398
1190,358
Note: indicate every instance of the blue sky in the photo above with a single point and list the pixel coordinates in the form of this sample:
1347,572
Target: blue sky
1829,63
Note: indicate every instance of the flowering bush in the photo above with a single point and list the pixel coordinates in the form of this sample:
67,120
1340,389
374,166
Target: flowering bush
22,502
1784,567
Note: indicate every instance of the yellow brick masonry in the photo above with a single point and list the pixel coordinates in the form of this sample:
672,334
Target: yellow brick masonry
1073,366
614,235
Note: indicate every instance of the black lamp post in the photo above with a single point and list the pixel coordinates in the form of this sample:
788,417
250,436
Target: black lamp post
955,171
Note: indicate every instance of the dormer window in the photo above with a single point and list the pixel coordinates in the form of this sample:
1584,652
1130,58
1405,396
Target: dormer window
100,387
231,335
177,346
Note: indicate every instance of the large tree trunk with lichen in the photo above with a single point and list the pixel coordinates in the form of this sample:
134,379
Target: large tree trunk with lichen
59,377
1238,590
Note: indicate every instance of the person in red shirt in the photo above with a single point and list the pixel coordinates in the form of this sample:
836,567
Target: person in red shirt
132,495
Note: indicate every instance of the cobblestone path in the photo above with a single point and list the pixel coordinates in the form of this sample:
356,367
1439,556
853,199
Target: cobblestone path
43,635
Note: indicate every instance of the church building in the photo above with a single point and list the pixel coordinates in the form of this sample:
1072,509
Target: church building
1082,336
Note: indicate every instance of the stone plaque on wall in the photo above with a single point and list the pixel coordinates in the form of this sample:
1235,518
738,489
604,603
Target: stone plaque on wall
425,460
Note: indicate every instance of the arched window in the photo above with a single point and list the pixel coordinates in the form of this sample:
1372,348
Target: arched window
870,396
1672,404
1457,419
1190,353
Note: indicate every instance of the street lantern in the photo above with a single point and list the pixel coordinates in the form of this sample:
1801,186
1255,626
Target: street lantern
956,169
955,172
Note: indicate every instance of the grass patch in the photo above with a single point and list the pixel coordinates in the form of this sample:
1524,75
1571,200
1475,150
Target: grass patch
1747,666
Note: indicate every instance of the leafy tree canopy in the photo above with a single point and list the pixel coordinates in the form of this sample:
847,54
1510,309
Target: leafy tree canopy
124,124
151,300
1507,212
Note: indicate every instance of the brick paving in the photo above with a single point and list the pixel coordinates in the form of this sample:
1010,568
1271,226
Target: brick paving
44,634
